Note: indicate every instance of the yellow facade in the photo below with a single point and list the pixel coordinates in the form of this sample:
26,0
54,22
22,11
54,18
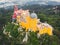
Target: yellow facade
31,23
18,18
46,30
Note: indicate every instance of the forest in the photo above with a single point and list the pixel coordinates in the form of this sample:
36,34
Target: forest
44,15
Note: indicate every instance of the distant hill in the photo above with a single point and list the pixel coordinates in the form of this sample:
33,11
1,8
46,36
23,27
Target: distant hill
43,3
40,2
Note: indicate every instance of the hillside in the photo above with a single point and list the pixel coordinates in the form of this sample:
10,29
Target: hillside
43,14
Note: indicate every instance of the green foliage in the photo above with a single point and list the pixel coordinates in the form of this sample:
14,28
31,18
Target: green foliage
32,38
51,19
49,40
17,36
13,29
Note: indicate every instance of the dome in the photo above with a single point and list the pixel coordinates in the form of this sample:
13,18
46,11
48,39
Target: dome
33,15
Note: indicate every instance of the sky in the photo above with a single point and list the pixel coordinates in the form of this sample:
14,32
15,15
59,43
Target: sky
21,2
26,0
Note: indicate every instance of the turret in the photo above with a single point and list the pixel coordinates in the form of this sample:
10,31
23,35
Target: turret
33,15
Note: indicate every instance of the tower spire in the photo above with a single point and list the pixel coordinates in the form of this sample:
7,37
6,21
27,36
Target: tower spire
15,8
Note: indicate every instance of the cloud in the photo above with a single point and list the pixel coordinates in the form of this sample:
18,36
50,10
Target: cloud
12,2
55,0
20,2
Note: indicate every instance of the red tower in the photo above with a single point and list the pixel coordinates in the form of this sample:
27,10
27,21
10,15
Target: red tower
15,13
15,9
